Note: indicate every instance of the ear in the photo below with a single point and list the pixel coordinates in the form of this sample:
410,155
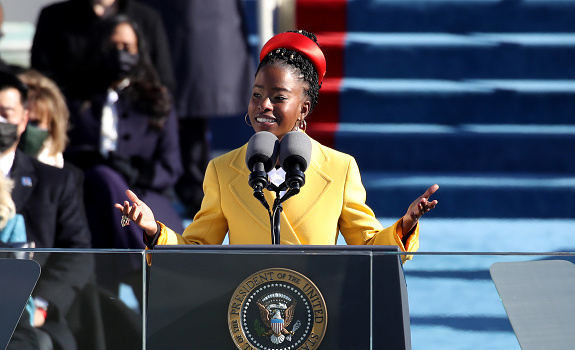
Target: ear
305,108
24,122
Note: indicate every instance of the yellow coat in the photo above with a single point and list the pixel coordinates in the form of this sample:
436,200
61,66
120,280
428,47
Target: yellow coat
331,201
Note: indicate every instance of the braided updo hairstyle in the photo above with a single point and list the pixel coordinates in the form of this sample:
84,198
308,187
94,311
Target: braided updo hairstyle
294,59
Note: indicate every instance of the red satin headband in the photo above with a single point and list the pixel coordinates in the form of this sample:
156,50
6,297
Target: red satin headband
301,44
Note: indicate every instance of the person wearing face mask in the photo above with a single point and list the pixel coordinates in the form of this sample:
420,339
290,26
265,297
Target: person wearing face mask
46,198
46,134
8,134
64,32
120,64
125,134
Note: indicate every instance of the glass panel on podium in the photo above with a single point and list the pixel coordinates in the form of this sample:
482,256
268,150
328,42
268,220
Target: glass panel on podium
102,291
453,301
226,297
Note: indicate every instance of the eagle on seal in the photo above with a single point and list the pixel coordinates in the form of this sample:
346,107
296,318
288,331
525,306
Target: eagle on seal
267,318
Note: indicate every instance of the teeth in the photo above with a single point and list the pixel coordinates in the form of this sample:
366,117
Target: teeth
265,120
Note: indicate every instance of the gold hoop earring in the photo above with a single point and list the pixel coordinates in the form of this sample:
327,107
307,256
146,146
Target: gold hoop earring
247,120
302,125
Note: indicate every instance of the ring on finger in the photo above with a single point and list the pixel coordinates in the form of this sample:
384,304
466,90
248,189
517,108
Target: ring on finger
125,220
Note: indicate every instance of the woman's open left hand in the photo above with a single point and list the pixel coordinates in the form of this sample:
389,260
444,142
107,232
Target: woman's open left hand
139,213
419,207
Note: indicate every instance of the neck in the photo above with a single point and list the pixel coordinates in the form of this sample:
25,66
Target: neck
10,150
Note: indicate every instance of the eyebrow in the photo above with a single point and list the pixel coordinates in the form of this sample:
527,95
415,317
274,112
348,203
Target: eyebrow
275,89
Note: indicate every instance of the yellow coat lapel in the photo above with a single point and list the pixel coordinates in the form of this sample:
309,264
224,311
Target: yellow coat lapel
243,193
317,182
296,208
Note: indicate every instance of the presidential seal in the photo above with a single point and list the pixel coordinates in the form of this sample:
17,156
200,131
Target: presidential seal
277,309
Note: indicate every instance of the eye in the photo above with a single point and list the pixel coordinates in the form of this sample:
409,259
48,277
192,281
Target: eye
256,94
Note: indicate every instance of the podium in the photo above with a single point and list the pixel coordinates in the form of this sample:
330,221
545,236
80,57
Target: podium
277,297
18,280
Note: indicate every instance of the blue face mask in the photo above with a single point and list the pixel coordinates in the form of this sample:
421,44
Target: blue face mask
32,140
8,135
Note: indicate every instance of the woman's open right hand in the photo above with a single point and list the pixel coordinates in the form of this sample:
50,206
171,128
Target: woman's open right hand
139,213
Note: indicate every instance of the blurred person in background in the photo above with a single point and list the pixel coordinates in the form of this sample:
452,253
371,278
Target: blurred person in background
124,135
46,135
63,37
13,235
46,198
211,56
12,227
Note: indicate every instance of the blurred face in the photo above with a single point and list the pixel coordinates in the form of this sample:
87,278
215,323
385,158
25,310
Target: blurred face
124,38
278,100
13,111
38,115
103,8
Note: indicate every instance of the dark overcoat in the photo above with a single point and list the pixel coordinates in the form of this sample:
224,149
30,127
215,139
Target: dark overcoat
54,217
161,167
63,34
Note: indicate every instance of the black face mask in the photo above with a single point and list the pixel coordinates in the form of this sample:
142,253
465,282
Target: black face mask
8,135
121,64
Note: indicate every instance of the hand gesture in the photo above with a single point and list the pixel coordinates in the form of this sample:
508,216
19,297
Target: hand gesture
139,213
419,207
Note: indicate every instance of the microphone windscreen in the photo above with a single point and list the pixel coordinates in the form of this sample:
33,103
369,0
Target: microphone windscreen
295,148
263,147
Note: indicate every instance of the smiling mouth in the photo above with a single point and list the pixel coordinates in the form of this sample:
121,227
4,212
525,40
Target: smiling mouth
264,120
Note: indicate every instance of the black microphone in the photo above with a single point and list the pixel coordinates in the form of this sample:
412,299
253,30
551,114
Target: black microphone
295,155
261,157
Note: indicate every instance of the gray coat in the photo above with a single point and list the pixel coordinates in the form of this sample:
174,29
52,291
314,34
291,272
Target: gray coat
212,63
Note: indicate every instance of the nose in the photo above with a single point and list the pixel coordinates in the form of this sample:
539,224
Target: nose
266,104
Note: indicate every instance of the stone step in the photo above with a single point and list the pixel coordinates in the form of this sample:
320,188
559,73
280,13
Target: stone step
457,57
454,102
460,16
473,196
490,149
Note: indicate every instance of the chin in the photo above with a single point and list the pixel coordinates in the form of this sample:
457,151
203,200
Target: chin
265,127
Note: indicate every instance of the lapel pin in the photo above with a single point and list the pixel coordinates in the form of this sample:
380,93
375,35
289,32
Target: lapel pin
26,181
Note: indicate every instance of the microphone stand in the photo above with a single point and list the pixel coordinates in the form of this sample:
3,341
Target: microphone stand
277,208
275,220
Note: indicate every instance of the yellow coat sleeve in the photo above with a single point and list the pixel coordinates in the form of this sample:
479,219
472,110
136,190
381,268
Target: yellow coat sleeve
210,226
